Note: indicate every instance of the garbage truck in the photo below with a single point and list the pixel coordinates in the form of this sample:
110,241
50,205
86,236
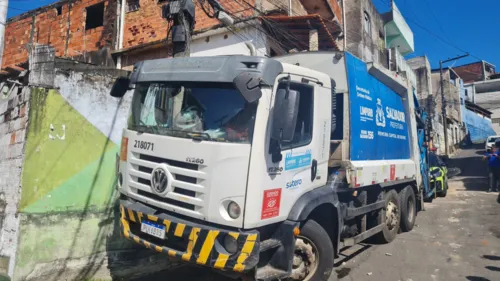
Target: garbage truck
264,168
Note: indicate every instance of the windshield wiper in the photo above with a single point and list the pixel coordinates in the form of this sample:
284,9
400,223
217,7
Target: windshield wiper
199,136
193,135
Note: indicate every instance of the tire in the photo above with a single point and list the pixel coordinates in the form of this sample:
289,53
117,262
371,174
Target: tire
408,208
315,235
389,233
445,190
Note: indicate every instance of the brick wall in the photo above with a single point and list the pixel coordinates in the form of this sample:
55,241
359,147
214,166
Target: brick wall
146,25
17,35
470,72
47,25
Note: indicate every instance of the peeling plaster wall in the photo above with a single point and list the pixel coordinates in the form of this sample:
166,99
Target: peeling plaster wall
89,95
13,120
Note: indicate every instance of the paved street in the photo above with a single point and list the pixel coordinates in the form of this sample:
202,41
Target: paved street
456,238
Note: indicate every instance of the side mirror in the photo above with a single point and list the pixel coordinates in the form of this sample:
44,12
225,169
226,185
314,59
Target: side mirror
120,87
285,111
248,83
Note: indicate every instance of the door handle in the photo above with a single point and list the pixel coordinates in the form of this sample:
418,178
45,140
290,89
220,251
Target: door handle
314,169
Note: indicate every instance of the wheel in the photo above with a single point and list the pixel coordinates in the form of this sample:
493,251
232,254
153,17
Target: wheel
390,217
313,258
444,191
408,208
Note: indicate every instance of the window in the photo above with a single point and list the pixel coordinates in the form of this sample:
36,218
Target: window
367,24
466,92
59,10
215,111
304,128
95,16
461,101
132,6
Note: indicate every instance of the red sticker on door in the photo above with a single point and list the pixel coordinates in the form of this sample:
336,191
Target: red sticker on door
393,172
271,203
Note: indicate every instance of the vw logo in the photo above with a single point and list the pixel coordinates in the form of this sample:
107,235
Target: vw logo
159,180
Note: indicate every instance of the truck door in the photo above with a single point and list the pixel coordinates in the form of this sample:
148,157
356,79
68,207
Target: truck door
304,161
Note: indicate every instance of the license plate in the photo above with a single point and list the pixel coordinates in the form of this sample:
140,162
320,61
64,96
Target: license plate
153,229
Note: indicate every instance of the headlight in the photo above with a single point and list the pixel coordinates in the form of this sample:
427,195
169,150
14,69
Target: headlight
233,209
436,173
230,244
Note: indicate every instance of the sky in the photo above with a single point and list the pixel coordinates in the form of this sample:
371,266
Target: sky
442,29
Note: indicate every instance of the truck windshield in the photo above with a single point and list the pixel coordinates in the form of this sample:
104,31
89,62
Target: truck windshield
205,111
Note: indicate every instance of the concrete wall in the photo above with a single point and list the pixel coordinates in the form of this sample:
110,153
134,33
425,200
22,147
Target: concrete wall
370,48
14,107
470,93
451,93
422,70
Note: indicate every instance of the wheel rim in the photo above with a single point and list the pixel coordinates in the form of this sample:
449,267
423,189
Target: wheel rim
411,207
305,259
391,215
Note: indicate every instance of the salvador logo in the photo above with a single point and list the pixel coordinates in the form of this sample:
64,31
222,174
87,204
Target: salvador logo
380,118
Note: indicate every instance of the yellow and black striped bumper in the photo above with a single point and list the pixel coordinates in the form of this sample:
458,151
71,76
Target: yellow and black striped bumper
202,242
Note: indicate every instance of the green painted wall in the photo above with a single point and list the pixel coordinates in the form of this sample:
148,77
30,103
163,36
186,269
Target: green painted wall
67,194
74,173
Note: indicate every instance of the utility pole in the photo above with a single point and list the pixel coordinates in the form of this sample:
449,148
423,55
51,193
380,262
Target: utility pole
3,21
443,101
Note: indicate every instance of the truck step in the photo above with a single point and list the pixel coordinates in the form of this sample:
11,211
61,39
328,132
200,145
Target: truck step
268,273
270,244
360,237
354,212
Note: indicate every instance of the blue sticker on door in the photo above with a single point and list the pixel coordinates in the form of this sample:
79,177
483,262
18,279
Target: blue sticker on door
298,160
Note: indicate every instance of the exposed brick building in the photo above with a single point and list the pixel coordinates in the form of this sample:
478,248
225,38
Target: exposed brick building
67,26
475,72
79,28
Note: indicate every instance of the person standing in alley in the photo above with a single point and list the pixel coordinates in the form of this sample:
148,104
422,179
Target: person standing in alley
493,159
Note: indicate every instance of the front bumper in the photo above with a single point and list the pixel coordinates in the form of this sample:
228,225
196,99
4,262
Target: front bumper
188,241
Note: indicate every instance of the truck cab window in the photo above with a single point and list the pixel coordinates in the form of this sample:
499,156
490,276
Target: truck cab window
304,128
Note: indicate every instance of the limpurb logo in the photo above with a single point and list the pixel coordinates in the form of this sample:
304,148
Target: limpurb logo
293,184
302,159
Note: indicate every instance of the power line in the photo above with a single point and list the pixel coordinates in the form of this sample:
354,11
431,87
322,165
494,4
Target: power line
442,39
292,39
435,18
434,34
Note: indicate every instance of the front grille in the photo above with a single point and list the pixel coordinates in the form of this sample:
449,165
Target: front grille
186,192
187,186
166,200
185,178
